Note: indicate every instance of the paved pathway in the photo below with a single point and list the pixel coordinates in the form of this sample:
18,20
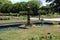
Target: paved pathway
34,20
47,19
11,24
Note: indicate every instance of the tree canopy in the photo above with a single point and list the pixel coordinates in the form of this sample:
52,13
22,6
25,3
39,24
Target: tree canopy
19,6
55,5
4,1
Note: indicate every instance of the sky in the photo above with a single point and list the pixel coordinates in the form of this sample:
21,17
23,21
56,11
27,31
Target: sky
14,1
43,1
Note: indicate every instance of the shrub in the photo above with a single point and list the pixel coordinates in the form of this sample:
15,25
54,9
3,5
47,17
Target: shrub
55,23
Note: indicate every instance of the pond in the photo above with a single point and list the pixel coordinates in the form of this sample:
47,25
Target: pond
3,29
8,29
43,25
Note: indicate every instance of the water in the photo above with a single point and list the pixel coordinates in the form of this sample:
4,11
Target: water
43,25
4,29
8,29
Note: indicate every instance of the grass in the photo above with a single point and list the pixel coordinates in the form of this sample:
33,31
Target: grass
50,16
47,16
26,34
24,18
14,19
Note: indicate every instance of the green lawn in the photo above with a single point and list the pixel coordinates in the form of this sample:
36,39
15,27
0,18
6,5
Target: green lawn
14,19
26,34
24,18
47,16
50,16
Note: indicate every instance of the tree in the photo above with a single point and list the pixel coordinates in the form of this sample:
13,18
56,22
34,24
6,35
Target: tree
34,7
23,6
15,8
36,1
47,9
19,6
4,8
4,5
55,5
5,1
